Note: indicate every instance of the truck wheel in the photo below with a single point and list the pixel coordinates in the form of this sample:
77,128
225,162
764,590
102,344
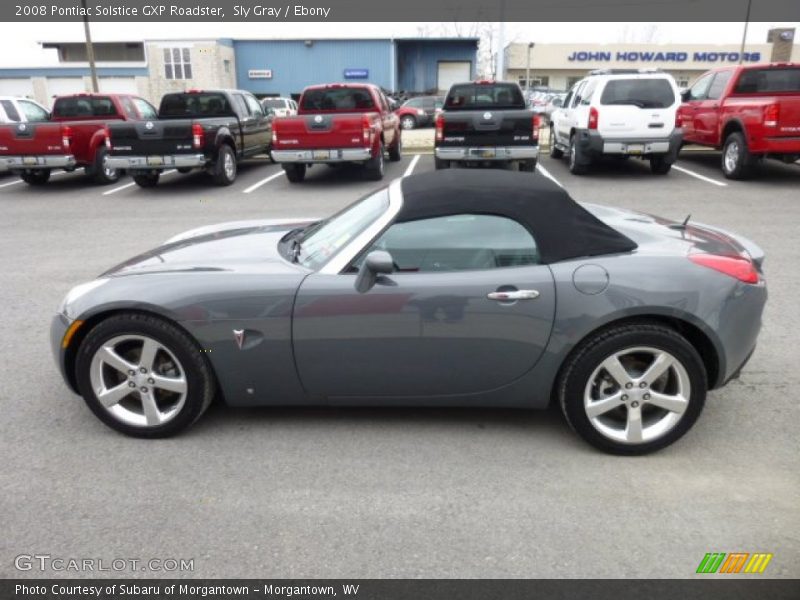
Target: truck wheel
527,166
225,166
659,165
269,154
408,122
295,172
147,180
374,167
396,151
554,151
184,170
737,162
441,164
101,172
38,177
576,166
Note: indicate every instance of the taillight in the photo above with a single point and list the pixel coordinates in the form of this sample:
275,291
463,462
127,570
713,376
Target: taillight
737,267
594,116
66,136
678,122
366,131
107,134
771,114
198,136
536,123
439,127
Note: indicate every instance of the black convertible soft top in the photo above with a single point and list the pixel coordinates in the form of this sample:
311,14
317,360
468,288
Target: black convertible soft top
561,227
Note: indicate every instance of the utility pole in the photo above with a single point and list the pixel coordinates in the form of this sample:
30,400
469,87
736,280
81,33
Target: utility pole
744,34
501,42
528,68
89,47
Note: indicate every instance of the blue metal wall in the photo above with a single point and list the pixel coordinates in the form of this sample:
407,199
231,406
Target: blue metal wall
418,61
295,65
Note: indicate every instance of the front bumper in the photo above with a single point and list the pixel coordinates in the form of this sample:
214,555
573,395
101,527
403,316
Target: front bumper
488,153
322,155
48,161
156,162
592,143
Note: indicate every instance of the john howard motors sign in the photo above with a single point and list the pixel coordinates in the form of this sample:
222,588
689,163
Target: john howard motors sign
663,57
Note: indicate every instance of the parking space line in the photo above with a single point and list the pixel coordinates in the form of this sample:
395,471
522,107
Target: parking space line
410,168
548,174
127,185
698,176
258,184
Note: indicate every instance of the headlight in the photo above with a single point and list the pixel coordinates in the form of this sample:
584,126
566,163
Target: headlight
77,292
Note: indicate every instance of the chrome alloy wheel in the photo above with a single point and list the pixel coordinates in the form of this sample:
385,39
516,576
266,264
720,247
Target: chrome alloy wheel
138,380
731,156
229,165
637,395
109,172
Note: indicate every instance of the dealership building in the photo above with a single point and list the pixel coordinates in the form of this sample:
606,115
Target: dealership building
559,66
265,67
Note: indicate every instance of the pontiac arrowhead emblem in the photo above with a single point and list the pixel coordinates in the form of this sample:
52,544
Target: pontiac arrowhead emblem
238,335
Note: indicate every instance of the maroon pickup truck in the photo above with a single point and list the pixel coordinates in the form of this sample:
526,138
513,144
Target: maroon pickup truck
74,136
749,112
337,123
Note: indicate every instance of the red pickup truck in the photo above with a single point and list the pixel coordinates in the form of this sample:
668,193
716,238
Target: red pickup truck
750,112
337,123
74,136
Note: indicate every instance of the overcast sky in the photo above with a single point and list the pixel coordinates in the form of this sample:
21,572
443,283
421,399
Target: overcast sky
19,48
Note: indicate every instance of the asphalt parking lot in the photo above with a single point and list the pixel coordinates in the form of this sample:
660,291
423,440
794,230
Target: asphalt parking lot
397,492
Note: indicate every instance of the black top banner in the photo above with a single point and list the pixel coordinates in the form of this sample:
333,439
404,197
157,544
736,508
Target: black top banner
401,10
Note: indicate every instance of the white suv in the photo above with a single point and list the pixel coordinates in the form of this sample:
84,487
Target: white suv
618,112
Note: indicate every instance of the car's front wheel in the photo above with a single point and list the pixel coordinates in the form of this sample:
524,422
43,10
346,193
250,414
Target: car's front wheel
143,376
633,388
408,122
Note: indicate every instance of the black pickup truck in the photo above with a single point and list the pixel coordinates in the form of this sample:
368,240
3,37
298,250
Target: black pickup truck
196,129
486,123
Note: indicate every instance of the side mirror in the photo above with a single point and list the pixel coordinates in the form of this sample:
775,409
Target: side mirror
377,262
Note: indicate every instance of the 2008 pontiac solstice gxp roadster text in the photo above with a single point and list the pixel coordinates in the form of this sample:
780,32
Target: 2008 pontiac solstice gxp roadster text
484,288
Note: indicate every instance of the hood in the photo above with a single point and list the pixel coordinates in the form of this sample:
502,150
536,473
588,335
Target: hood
238,246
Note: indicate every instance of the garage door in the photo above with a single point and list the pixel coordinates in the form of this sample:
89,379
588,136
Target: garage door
16,87
60,86
117,85
453,72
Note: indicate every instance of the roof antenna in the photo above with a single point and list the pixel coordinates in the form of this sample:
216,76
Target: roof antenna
686,221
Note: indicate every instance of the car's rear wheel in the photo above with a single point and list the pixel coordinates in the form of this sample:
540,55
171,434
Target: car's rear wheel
555,151
143,376
37,177
737,162
408,122
101,172
374,167
225,166
633,389
295,173
659,165
577,165
147,180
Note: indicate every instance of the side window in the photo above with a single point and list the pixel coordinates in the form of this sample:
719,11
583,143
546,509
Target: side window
587,93
128,107
254,106
699,90
10,109
567,99
576,97
458,243
241,105
718,85
146,110
384,103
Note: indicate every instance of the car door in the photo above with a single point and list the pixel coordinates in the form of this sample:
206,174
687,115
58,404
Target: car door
691,105
706,114
445,322
258,127
568,118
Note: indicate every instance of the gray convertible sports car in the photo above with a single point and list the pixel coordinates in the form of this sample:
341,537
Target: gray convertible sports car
479,288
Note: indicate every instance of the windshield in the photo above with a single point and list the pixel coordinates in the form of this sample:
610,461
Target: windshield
274,102
323,240
644,93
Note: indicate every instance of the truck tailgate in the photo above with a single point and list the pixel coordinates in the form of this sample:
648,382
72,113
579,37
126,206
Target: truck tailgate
169,136
487,128
22,139
341,130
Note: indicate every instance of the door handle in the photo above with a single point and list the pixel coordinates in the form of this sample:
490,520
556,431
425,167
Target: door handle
512,295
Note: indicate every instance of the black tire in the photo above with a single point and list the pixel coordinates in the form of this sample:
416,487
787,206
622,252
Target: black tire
225,168
659,165
408,122
36,177
590,354
374,167
184,170
200,382
147,180
269,154
99,173
555,152
295,172
396,151
441,164
744,165
577,165
527,166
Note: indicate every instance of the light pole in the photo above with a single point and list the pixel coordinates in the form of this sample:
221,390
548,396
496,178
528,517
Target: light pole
744,34
89,47
528,68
